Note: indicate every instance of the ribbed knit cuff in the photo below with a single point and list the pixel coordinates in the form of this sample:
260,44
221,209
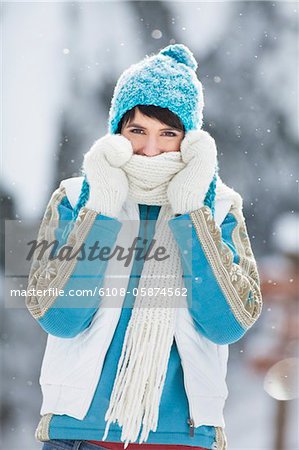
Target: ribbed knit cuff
185,204
106,203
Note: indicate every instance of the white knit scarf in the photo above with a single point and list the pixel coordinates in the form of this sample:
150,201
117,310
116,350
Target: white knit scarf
140,377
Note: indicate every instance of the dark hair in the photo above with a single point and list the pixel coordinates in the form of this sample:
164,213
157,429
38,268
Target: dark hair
164,115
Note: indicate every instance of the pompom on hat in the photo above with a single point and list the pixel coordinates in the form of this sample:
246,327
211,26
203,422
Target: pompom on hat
168,80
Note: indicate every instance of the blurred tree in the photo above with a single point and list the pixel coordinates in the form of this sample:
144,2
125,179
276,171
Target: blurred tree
154,22
7,212
247,112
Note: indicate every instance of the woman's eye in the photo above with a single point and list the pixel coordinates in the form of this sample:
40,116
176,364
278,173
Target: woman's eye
169,134
136,131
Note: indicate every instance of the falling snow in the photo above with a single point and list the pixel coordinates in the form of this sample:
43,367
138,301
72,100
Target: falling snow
66,57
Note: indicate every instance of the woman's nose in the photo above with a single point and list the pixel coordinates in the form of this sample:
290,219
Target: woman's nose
150,147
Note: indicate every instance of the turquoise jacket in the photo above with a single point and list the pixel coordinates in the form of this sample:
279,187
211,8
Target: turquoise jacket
221,326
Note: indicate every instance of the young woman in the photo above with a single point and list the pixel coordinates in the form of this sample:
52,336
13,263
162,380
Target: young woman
161,243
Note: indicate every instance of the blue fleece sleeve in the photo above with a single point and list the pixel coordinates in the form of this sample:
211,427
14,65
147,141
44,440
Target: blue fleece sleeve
64,281
220,274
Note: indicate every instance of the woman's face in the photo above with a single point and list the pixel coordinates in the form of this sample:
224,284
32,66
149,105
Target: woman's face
149,137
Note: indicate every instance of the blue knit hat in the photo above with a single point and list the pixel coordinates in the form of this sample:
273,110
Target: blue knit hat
168,80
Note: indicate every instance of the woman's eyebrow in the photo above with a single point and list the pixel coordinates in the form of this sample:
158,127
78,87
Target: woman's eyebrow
169,129
133,124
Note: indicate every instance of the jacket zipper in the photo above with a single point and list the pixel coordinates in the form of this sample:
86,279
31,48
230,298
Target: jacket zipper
146,220
191,427
190,420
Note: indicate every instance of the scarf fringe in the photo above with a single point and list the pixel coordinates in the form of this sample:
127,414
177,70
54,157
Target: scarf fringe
136,408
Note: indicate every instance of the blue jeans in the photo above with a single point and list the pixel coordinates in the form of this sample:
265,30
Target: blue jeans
69,444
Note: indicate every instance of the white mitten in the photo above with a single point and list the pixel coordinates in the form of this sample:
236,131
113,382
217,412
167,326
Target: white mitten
187,190
108,183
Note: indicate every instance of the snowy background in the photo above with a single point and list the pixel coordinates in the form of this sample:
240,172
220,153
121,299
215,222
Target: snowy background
60,64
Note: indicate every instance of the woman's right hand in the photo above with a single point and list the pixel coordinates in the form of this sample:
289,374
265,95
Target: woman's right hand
108,183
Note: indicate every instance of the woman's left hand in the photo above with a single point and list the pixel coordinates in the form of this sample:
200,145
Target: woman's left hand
187,190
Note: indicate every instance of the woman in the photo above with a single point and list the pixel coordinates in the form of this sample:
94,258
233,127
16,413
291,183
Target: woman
142,362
